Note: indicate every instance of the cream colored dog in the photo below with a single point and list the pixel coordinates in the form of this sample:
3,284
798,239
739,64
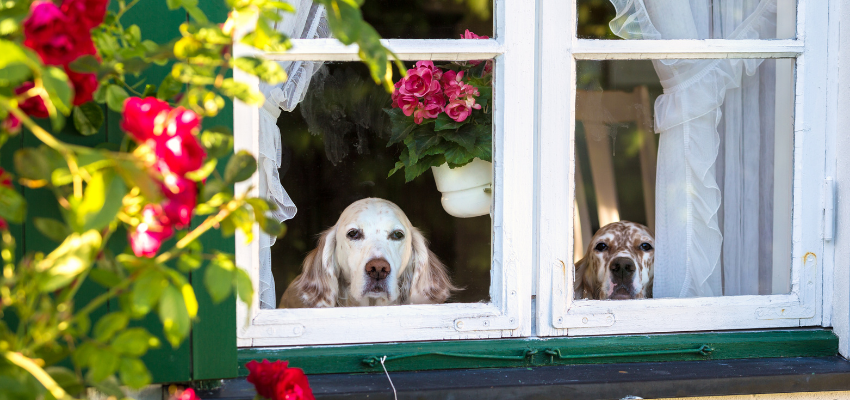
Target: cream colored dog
618,263
373,256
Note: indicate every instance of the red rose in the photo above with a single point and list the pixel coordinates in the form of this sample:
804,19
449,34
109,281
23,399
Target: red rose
293,385
140,115
55,37
180,197
84,86
148,236
89,13
5,180
188,394
33,106
265,375
178,147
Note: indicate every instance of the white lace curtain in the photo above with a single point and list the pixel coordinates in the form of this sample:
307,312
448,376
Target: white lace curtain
714,188
308,22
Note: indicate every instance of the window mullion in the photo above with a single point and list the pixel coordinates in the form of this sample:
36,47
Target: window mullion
685,49
405,49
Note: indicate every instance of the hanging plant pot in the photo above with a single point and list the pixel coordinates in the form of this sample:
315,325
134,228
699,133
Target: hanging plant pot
467,191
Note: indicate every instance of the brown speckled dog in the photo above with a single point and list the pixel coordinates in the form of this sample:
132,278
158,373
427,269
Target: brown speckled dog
618,264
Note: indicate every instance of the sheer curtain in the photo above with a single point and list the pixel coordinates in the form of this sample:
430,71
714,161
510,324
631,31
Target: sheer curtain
309,22
714,177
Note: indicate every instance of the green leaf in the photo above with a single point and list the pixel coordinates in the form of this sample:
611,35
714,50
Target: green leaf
267,70
52,229
484,145
243,286
443,122
146,291
86,64
83,354
457,156
169,87
240,167
108,386
12,53
196,13
58,88
102,364
134,373
88,118
108,325
13,207
217,141
465,136
134,342
102,200
401,125
13,75
174,4
115,96
150,90
202,173
242,91
215,186
104,278
71,258
175,319
32,164
189,262
190,300
66,379
414,170
420,141
219,276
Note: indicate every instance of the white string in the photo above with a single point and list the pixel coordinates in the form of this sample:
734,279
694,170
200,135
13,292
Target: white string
395,395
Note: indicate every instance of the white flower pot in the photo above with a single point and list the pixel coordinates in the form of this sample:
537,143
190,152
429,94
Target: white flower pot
466,190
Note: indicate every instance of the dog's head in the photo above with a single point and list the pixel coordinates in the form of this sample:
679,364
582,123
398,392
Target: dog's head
372,256
618,263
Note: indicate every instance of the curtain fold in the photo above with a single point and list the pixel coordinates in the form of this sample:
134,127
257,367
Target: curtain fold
308,22
710,163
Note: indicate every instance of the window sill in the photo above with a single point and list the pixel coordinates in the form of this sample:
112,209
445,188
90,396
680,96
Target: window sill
601,381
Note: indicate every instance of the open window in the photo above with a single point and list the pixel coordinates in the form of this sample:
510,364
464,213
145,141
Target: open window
720,146
332,150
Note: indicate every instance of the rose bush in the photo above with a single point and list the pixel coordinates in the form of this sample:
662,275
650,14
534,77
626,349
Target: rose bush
277,381
169,181
441,114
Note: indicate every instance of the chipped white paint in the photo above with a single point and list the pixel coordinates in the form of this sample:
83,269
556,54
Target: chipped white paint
508,313
557,313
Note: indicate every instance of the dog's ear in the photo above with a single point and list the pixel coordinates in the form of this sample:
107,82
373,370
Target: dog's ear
318,284
585,286
426,276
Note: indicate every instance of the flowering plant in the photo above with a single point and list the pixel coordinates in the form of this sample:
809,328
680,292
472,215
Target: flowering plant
442,115
277,381
169,181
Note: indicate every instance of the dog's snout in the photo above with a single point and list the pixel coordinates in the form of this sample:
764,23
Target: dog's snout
378,268
623,267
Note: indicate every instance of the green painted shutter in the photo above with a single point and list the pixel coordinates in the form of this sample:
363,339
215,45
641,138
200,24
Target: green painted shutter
214,333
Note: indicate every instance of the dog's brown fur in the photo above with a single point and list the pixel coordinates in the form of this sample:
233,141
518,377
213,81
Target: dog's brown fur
596,274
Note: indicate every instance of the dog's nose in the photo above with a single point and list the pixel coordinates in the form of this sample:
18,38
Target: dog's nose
623,268
378,268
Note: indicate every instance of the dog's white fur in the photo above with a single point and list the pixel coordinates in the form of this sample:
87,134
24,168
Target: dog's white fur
335,273
622,240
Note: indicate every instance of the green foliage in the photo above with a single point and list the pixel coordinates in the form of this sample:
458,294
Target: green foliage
101,192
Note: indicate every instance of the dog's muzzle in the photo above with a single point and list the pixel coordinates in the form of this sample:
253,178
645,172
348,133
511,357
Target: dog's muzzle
622,277
377,271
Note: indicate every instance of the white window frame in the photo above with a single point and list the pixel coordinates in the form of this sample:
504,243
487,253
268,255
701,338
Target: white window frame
508,314
557,313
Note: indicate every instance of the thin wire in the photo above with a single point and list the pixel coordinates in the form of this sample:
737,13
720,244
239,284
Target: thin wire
395,395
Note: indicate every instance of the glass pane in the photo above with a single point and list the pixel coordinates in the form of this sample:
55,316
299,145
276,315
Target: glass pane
683,183
429,19
687,19
338,147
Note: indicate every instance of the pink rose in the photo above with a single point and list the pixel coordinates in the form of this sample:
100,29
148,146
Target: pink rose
419,82
469,35
452,84
55,37
458,110
140,117
148,236
180,197
89,13
84,86
435,72
408,104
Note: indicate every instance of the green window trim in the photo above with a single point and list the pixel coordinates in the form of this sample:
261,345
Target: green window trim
507,353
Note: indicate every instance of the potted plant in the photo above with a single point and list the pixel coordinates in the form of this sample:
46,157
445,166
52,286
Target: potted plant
442,116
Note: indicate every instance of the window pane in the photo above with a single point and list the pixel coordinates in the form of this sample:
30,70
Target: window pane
700,158
682,19
337,150
429,19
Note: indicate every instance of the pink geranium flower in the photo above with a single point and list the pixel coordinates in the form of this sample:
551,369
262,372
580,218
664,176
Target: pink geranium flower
469,35
458,110
147,237
452,84
419,82
407,103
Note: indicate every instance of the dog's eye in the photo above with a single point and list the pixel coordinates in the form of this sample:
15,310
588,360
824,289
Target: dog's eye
354,234
397,235
601,247
645,246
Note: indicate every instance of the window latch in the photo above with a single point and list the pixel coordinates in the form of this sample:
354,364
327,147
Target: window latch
828,209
